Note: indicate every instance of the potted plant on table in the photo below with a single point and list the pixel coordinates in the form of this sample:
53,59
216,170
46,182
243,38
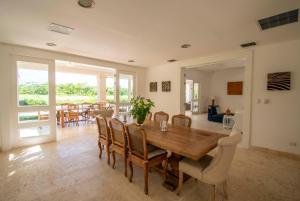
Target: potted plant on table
140,107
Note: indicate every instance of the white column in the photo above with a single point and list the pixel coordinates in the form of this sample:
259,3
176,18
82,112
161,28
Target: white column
117,91
98,88
102,87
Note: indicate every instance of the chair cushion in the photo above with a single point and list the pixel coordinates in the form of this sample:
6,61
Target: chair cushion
156,152
195,168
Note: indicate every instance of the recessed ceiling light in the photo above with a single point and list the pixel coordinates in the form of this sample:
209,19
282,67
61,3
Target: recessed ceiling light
131,61
51,44
185,45
172,60
86,3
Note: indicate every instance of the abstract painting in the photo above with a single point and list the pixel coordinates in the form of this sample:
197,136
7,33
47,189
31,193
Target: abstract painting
166,86
153,86
279,81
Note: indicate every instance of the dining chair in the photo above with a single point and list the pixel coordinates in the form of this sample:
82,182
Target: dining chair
161,116
149,116
85,111
103,137
181,120
95,110
143,154
118,138
212,170
64,111
73,114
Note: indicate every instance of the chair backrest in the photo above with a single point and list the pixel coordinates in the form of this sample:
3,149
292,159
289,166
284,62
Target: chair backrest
161,116
181,120
149,116
117,129
106,113
137,140
217,170
96,106
103,129
73,107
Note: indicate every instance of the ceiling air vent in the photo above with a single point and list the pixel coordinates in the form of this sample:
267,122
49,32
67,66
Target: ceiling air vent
60,29
248,44
278,20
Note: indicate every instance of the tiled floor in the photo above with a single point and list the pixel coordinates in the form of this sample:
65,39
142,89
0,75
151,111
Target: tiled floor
200,121
70,170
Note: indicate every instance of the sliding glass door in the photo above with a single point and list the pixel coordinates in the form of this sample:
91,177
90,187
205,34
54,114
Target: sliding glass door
125,90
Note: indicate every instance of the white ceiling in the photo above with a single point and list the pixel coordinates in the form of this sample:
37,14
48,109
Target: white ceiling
229,64
149,32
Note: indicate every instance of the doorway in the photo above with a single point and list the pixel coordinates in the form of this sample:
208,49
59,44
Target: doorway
221,61
192,101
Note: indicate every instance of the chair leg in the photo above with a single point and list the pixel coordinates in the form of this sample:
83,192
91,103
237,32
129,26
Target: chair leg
108,154
131,170
114,158
213,193
146,178
100,149
225,190
125,164
180,182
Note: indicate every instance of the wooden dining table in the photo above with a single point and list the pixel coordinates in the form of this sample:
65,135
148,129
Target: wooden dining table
186,142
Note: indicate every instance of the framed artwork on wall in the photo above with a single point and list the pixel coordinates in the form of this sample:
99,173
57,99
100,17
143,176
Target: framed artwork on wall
166,86
153,86
235,88
279,81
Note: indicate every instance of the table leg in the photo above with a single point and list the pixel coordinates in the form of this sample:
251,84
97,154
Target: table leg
62,118
172,177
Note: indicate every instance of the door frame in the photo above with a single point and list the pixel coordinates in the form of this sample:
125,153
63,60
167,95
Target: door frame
16,140
247,56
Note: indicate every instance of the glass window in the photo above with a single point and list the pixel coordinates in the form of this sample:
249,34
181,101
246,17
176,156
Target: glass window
33,86
75,88
33,116
126,88
110,90
196,91
34,131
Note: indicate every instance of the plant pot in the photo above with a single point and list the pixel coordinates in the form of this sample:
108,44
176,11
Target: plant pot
140,120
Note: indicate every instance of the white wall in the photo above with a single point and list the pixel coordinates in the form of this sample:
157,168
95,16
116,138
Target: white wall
276,124
203,78
165,101
6,76
218,88
273,125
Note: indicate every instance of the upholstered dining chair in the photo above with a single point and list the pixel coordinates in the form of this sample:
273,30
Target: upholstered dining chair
161,116
181,120
149,116
212,170
103,137
143,154
118,138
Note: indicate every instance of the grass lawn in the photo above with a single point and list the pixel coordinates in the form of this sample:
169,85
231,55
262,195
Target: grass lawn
29,99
